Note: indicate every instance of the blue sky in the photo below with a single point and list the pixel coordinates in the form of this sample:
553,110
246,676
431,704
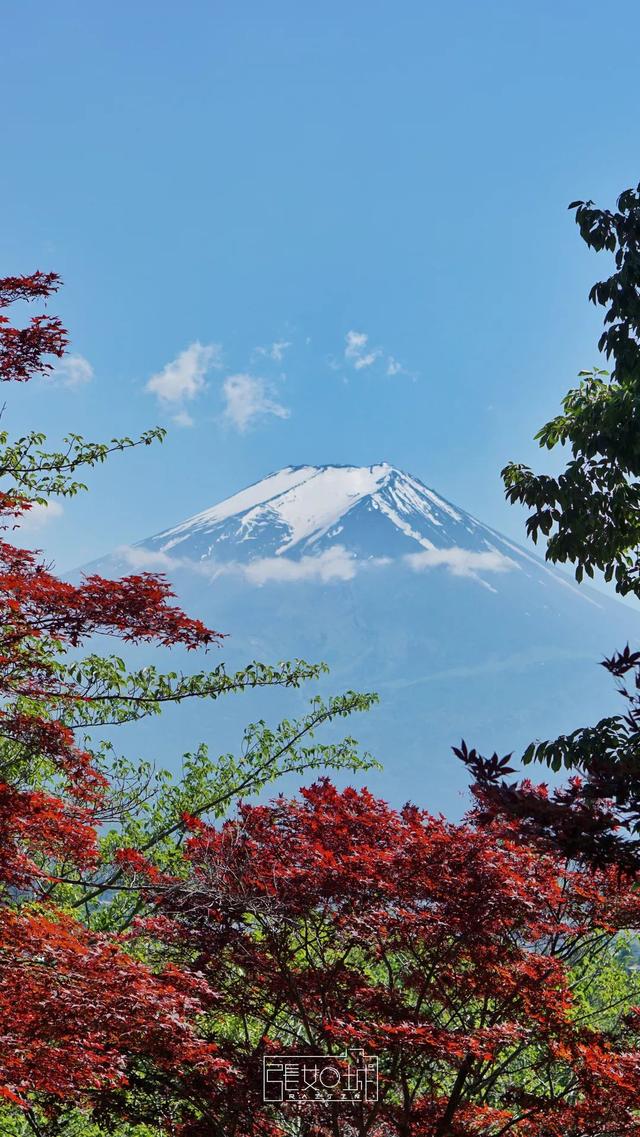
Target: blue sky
211,179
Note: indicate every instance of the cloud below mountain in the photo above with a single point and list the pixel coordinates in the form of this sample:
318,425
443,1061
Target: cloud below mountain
460,562
332,564
335,563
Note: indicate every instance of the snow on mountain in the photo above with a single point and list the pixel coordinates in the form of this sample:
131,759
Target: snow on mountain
295,508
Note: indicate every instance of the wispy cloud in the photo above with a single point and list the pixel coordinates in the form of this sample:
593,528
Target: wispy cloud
39,516
358,352
183,418
394,367
333,564
356,342
247,399
151,560
184,378
275,351
460,562
73,371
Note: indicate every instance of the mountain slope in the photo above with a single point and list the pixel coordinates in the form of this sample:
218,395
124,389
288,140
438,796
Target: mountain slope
462,632
303,509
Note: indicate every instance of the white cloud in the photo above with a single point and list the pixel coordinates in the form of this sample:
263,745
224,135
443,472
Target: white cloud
184,378
156,560
183,418
355,342
40,515
356,350
247,399
276,351
367,360
332,564
73,371
359,354
460,562
148,560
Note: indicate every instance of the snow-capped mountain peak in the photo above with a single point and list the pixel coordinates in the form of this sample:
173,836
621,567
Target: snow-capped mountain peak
298,511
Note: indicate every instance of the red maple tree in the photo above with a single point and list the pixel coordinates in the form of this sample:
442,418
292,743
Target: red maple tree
456,954
75,1008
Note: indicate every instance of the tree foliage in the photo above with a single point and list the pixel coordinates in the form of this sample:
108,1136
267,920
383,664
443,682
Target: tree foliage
480,972
590,513
589,516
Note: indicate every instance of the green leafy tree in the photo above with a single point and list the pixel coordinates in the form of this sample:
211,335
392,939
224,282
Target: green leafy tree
589,517
590,513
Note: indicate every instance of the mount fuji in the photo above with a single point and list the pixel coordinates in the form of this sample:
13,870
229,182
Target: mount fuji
461,632
371,511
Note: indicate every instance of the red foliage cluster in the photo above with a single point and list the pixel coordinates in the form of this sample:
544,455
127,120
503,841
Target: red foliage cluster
76,1011
335,922
595,815
22,349
36,608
